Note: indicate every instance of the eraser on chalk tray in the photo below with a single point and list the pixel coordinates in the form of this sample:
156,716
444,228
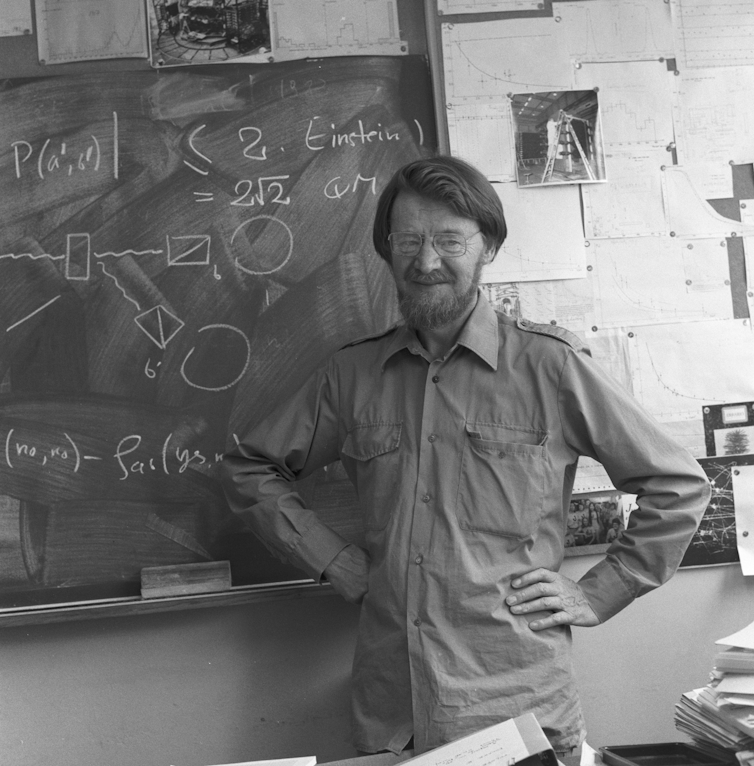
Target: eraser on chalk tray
185,579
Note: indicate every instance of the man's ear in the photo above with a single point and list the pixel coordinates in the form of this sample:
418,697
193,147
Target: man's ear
488,255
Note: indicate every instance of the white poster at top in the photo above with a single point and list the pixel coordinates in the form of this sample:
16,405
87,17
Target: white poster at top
15,17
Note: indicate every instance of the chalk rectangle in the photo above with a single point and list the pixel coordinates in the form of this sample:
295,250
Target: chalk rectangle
185,579
78,257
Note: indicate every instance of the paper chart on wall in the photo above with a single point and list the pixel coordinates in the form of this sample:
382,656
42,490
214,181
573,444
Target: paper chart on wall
482,64
691,216
534,250
677,369
630,204
605,30
15,18
487,60
635,101
481,134
317,28
486,6
747,217
743,492
713,34
714,119
656,280
80,30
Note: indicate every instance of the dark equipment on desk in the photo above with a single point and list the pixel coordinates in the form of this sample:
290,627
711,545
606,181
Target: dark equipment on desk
660,754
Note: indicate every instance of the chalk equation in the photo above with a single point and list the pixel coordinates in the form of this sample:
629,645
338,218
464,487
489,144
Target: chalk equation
128,455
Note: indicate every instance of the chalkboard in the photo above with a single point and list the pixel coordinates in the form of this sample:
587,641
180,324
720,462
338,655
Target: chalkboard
179,251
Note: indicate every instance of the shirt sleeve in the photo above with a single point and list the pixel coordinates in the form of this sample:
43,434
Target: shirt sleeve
601,420
294,440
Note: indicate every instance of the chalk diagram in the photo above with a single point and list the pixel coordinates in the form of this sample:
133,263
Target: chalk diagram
715,540
158,323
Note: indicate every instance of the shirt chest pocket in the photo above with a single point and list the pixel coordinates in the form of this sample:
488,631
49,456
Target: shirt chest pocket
371,456
501,489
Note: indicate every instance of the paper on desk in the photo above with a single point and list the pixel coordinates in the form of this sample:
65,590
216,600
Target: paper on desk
743,494
603,30
736,683
713,34
303,761
744,638
534,251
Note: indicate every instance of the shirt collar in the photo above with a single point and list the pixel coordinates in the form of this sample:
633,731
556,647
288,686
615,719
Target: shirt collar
479,334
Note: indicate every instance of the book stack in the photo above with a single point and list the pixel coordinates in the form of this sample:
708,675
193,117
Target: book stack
719,717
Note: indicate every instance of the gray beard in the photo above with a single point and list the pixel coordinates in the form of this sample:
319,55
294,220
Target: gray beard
425,312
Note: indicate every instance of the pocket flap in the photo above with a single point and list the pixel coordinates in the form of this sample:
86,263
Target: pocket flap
370,440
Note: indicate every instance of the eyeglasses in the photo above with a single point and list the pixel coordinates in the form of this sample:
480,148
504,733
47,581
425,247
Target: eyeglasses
408,244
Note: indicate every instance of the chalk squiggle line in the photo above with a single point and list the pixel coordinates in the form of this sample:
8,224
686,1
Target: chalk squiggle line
128,252
16,256
117,284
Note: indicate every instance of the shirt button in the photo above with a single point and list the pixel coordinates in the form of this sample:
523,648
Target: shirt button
417,622
419,559
431,438
426,498
435,378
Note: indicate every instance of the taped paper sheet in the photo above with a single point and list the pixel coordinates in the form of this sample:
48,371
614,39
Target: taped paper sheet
714,119
486,6
15,18
654,280
566,302
677,369
630,204
635,100
483,63
482,135
743,499
691,216
545,240
713,34
606,30
83,30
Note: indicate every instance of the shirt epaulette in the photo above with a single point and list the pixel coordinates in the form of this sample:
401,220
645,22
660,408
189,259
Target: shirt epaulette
372,336
553,331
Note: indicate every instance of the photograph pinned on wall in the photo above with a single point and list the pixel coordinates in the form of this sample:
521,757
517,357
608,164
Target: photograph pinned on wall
504,297
729,429
185,32
558,138
595,520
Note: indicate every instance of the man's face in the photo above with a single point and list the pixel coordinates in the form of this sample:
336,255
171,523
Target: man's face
434,292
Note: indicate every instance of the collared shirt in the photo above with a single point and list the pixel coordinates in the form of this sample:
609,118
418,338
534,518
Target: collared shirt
464,468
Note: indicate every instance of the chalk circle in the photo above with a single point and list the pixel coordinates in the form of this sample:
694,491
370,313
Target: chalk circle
263,272
237,378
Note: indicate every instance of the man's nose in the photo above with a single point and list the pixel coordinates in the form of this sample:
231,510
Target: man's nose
427,259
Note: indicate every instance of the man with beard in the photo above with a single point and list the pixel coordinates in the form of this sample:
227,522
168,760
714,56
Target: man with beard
461,429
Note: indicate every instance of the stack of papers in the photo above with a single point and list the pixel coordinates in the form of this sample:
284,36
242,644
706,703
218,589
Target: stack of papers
721,715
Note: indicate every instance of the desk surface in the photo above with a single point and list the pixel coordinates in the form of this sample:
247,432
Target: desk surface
390,759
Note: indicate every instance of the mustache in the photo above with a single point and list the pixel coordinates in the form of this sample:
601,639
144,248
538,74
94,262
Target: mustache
433,278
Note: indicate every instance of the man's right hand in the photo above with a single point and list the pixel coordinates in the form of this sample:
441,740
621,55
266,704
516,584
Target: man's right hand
348,573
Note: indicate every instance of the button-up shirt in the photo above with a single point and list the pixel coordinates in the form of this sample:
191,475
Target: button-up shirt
464,468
